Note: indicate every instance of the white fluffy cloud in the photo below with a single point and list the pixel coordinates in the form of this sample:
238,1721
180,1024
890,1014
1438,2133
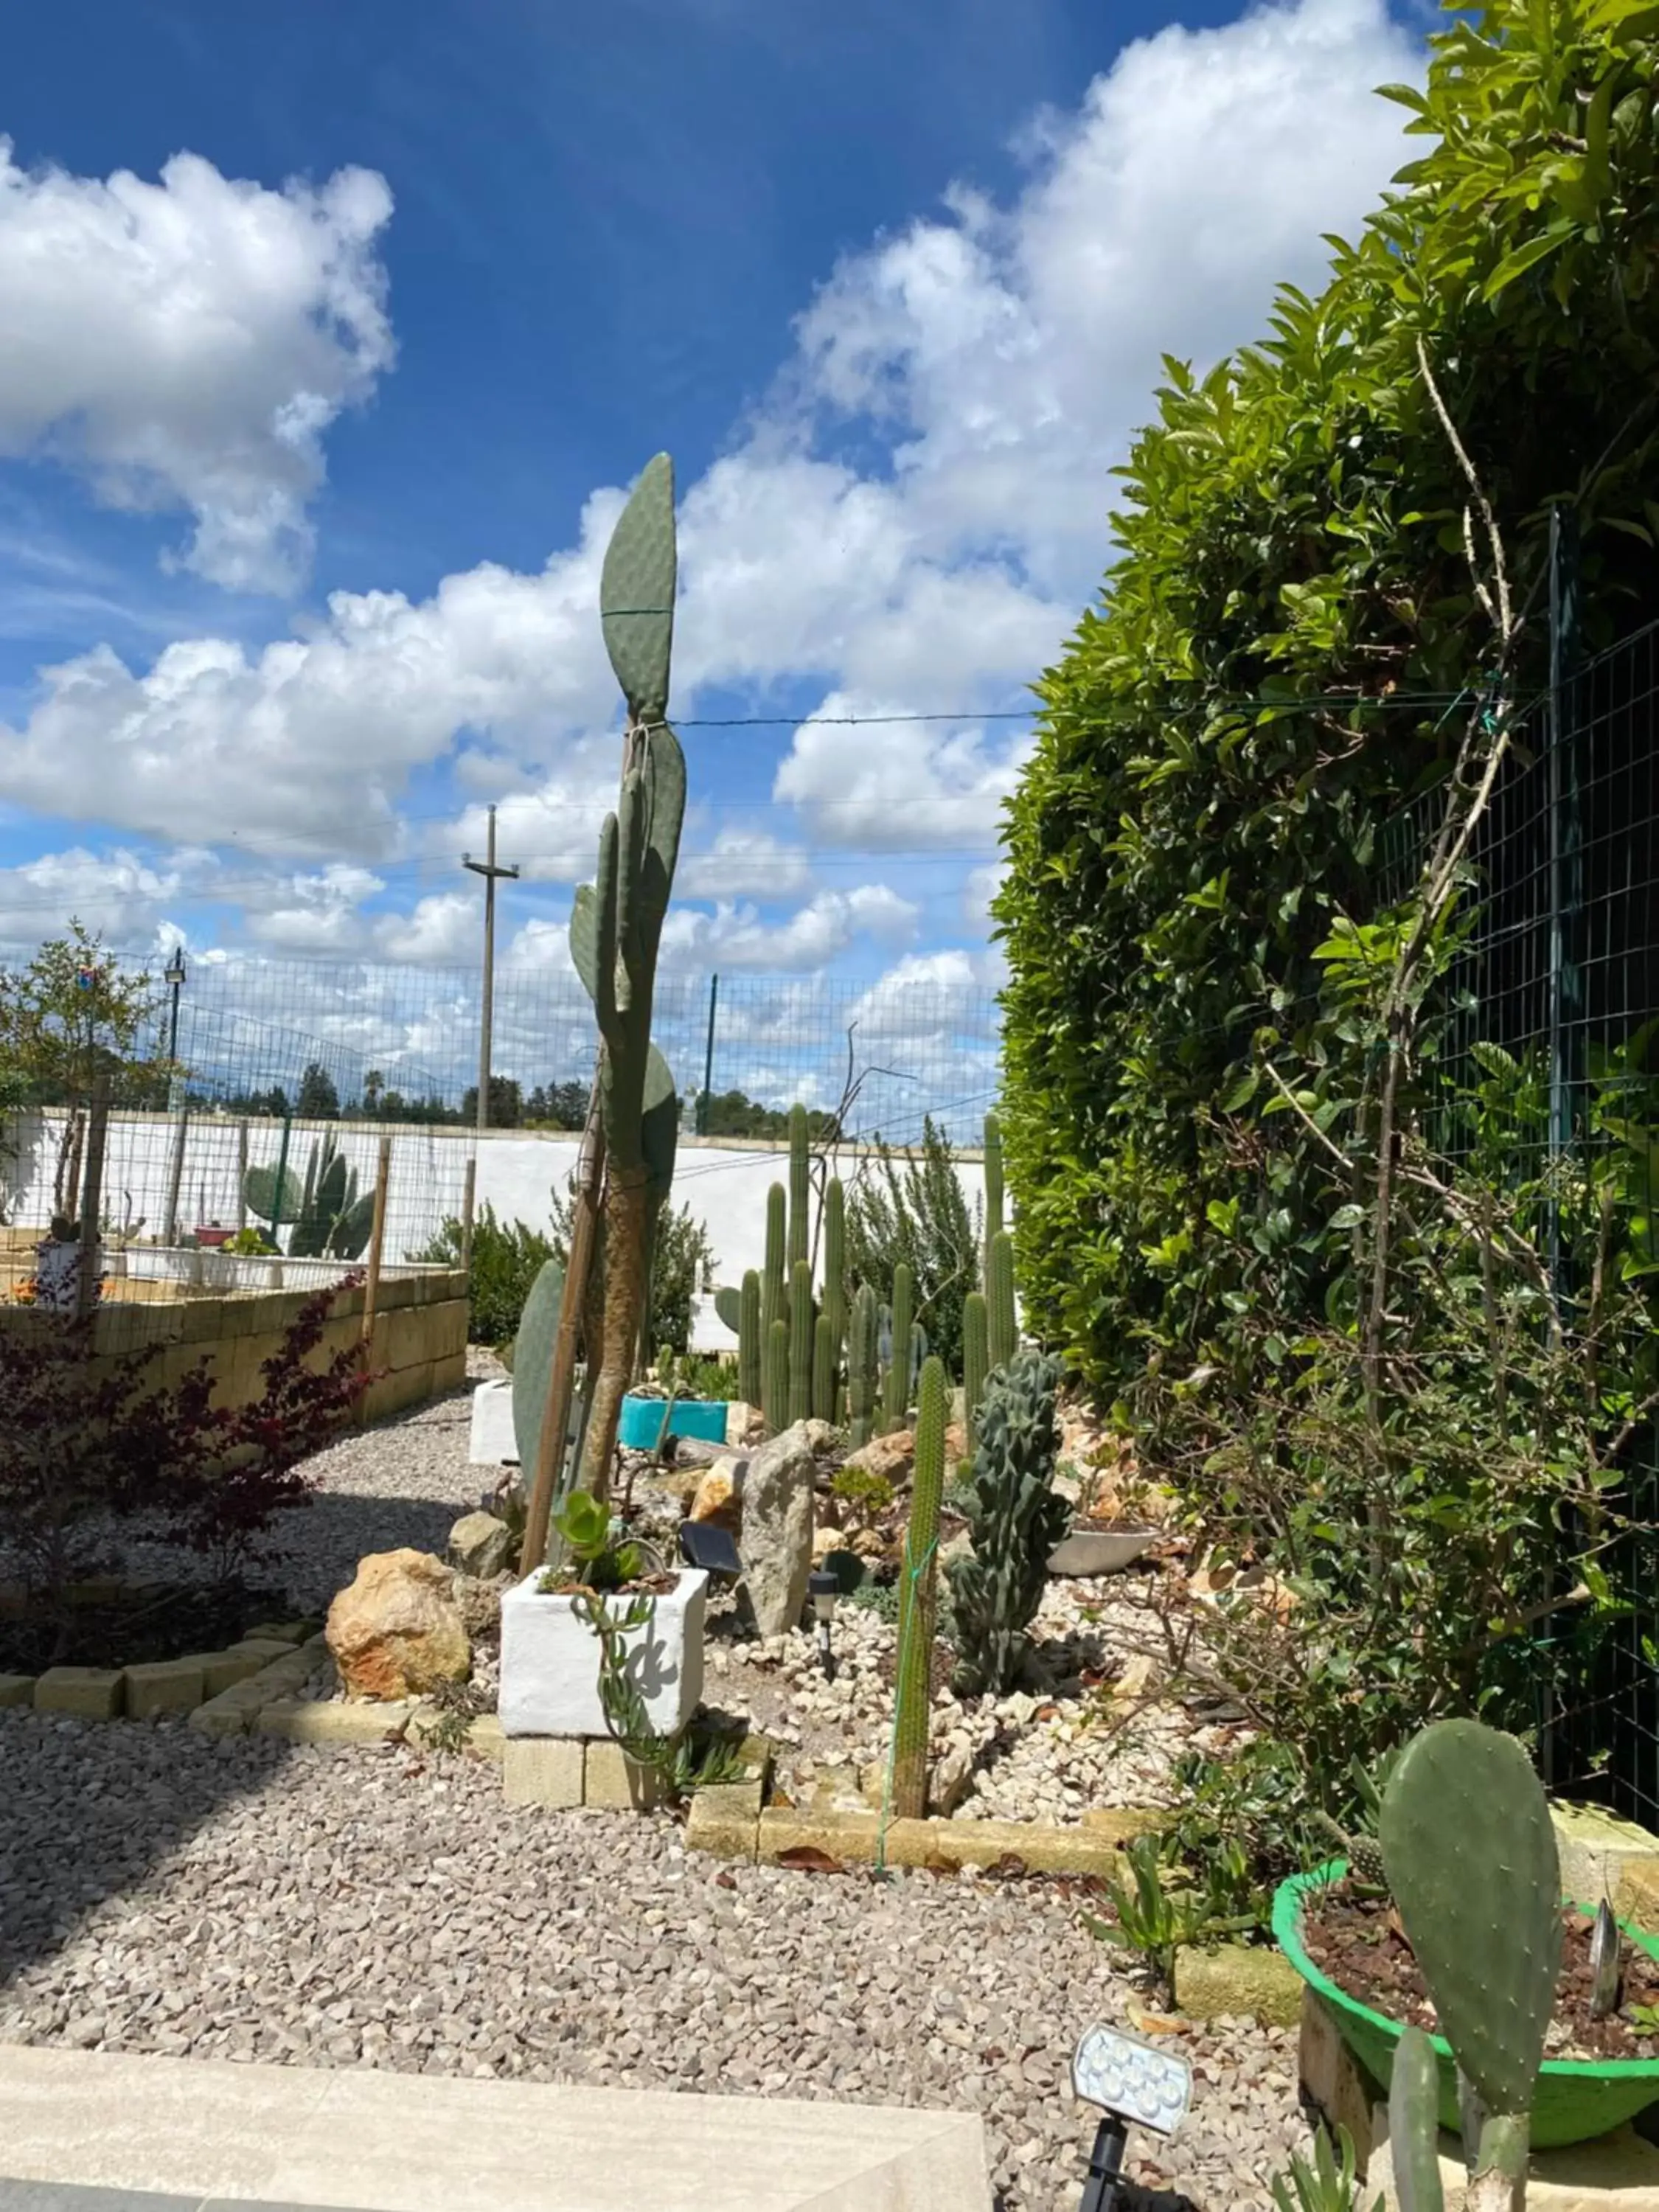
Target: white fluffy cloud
998,354
185,344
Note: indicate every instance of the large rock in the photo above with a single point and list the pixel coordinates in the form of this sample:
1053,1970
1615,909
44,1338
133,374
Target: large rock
776,1543
892,1455
397,1632
481,1545
719,1497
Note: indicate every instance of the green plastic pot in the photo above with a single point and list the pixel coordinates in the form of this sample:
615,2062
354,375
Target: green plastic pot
1578,2098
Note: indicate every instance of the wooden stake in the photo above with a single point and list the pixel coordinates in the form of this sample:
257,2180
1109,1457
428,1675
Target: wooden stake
469,1190
92,1201
561,1377
241,1175
377,1239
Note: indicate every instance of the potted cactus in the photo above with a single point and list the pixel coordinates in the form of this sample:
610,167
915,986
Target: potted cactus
1468,1855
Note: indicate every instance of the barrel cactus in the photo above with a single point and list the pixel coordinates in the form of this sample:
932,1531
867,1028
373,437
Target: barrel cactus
1015,1518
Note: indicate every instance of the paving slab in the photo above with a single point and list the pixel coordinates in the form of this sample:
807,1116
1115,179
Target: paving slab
208,2130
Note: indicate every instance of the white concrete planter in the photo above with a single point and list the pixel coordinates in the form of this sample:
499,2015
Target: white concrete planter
550,1660
165,1263
1099,1551
312,1275
240,1271
494,1442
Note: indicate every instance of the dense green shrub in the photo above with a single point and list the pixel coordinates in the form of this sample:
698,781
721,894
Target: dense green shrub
507,1258
1273,670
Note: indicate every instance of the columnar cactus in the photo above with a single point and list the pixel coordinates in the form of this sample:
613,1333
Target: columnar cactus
775,1378
835,1266
1001,1323
976,1363
918,1594
748,1338
1014,1520
800,1188
1414,2124
774,1281
823,1370
800,1341
863,1370
1470,1855
897,1401
993,1221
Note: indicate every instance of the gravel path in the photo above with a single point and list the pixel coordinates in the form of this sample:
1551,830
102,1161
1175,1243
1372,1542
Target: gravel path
159,1891
242,1898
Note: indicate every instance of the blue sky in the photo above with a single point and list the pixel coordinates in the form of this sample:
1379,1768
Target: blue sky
337,333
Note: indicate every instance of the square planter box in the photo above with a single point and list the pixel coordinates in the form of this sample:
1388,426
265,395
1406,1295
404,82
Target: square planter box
493,1442
164,1263
550,1660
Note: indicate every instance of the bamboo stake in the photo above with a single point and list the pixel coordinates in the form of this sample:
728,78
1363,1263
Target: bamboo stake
376,1241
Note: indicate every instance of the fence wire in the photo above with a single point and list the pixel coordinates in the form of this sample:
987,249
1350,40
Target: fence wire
1560,969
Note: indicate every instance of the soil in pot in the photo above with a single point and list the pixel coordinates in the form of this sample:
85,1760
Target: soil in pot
132,1630
1360,1943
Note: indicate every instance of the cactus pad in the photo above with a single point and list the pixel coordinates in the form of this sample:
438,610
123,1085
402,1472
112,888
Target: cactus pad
636,593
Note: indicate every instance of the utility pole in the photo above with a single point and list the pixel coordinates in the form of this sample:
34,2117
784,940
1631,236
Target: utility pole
488,869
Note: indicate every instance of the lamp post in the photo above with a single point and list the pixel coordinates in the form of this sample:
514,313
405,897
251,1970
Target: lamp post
824,1589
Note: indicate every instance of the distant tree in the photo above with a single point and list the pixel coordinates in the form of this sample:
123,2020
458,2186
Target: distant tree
505,1103
318,1100
734,1114
557,1106
374,1085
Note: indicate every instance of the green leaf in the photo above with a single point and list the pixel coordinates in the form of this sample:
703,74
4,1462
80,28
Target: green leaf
1523,258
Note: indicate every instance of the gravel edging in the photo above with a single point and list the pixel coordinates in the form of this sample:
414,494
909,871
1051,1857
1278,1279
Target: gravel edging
241,1898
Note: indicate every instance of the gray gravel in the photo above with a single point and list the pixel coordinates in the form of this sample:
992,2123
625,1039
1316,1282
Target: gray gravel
243,1899
246,1899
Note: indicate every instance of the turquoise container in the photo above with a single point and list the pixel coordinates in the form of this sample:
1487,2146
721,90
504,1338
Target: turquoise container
641,1421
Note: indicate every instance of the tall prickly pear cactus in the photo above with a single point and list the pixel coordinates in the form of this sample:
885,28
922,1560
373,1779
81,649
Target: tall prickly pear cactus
1470,1855
1014,1520
976,1363
918,1594
823,1370
993,1221
863,1372
1002,1325
775,1378
615,924
800,1341
774,1281
800,1188
896,1403
748,1340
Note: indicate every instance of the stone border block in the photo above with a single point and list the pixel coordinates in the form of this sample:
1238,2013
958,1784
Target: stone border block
487,1738
1239,1979
615,1782
1335,2083
223,1670
16,1690
233,1712
322,1721
724,1821
164,1685
87,1693
1597,1850
542,1770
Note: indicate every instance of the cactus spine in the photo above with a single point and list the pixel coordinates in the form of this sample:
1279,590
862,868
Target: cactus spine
800,1189
823,1370
862,1367
897,1401
1471,1860
918,1592
775,1380
975,1363
748,1340
800,1341
1002,1328
1014,1520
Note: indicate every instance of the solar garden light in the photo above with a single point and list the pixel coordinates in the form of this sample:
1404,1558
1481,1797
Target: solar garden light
1133,2083
823,1590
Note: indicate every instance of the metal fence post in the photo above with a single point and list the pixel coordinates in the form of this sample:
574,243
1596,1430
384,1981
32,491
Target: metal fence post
1566,978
